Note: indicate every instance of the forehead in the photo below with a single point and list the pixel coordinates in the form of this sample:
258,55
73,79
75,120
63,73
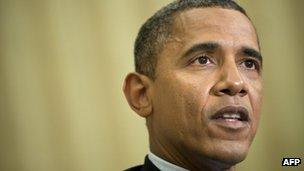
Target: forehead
214,24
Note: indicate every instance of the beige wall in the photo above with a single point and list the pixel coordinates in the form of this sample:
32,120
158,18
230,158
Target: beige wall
62,65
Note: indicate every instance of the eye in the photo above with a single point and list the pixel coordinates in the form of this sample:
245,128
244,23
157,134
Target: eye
202,60
250,64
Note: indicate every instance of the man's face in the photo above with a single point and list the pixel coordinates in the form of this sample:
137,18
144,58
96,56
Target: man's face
208,88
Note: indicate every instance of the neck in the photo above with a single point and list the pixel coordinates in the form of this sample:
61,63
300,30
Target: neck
187,161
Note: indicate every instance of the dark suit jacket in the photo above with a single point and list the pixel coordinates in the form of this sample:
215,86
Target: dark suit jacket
147,166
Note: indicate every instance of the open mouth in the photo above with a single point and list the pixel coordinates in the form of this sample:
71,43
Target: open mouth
232,113
231,117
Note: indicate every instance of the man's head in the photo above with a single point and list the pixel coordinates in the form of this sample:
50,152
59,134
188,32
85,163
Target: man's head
157,30
198,83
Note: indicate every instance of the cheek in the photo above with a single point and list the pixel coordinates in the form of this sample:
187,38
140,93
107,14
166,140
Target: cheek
182,97
256,96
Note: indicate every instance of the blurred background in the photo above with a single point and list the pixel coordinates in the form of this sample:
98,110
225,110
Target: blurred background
62,65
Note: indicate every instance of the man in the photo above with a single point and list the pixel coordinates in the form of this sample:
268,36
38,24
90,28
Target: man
198,84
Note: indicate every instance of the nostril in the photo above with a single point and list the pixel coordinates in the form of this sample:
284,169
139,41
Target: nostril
243,92
226,91
231,93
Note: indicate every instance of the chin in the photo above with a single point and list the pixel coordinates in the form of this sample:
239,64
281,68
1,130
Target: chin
229,153
220,154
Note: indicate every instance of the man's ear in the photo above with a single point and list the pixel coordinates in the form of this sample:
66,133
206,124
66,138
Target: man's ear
137,89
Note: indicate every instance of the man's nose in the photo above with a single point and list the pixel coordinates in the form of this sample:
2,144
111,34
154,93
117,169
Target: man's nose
230,82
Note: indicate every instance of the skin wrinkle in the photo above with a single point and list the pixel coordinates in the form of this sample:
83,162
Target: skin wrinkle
237,26
185,95
175,45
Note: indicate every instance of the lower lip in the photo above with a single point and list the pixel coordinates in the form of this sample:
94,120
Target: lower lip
232,124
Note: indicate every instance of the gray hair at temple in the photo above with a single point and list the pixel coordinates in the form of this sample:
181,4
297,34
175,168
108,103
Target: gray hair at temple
157,29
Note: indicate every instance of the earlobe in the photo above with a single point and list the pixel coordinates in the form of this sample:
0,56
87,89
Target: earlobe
136,89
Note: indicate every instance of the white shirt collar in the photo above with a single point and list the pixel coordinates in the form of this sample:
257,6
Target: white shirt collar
163,165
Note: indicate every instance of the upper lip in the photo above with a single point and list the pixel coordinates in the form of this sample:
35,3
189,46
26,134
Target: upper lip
242,111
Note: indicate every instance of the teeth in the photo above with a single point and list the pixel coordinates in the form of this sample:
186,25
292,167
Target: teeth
231,116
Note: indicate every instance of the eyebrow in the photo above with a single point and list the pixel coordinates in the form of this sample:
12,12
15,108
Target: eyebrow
211,46
252,53
207,46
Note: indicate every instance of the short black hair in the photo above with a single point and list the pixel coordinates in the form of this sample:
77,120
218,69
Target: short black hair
156,30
